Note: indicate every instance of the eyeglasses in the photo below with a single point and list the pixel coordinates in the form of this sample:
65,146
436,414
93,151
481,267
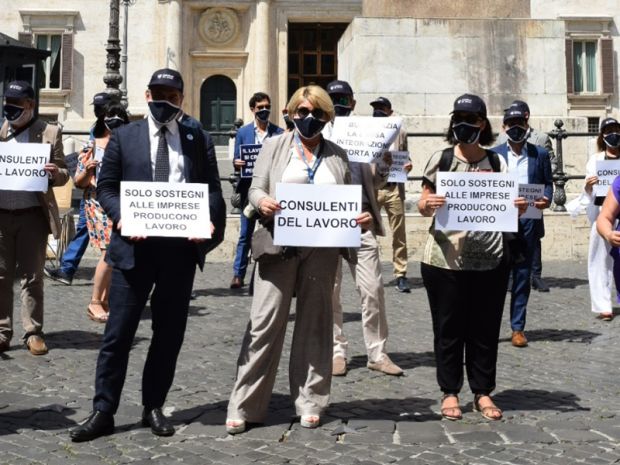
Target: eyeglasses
262,107
303,112
470,118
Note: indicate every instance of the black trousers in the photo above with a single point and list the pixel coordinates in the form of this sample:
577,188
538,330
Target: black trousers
537,261
167,267
466,307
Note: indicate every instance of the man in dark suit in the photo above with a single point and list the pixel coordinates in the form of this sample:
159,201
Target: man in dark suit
532,165
159,149
252,133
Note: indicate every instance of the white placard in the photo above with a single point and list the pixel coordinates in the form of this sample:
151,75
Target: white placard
22,166
318,215
162,209
365,138
607,171
532,192
397,171
477,202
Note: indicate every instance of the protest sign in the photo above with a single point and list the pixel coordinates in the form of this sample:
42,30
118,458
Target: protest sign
397,172
532,192
22,166
318,215
606,170
365,138
248,153
477,202
162,209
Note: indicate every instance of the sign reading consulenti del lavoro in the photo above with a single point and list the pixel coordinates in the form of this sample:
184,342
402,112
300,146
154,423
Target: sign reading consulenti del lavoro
22,166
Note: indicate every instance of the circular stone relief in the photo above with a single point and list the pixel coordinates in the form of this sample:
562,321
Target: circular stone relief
219,26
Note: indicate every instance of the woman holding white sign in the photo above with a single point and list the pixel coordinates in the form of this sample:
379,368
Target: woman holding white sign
302,156
465,273
97,221
600,262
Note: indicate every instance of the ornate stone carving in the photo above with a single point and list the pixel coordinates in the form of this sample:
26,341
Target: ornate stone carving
219,26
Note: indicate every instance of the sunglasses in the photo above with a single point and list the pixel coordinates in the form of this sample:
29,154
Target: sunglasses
263,107
470,118
303,112
340,99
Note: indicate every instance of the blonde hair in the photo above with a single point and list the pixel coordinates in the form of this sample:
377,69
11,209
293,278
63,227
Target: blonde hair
316,96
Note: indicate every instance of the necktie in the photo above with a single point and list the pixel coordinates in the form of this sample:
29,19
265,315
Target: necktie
162,163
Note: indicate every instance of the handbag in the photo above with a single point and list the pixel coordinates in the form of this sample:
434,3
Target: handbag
263,248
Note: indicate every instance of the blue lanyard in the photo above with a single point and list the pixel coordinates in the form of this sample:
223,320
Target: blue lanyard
317,161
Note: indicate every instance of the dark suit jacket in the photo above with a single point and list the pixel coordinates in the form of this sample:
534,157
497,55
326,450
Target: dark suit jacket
245,136
128,158
538,172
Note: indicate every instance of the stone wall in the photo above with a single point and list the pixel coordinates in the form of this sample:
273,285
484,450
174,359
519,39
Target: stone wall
447,8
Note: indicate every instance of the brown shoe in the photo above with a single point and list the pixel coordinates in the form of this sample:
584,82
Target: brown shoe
236,283
339,366
36,345
385,365
519,339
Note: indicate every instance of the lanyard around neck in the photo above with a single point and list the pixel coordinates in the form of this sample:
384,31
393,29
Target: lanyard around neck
317,160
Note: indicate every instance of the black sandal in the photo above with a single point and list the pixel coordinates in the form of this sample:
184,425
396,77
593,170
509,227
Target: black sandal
444,410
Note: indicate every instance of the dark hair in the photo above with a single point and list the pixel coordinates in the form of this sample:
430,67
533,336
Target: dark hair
258,97
486,136
600,142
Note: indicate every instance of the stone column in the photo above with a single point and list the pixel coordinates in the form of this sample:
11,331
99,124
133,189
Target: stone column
174,39
261,47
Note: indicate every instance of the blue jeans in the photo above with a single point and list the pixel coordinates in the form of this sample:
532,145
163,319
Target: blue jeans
76,248
246,229
521,276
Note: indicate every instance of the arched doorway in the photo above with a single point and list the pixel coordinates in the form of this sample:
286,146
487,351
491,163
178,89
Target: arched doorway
218,106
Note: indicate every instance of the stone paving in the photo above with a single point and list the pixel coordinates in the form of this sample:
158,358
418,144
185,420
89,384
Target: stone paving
559,395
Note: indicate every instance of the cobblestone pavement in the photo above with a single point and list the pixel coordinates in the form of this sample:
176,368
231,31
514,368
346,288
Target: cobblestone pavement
559,395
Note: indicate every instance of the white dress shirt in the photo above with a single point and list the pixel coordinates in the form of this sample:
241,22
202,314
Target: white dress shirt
519,163
175,153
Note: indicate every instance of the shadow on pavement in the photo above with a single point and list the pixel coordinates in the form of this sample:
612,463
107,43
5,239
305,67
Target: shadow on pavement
565,283
558,335
49,418
410,408
405,360
538,399
77,339
194,310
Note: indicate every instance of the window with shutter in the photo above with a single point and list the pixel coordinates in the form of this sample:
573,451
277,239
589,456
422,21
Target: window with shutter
67,61
570,86
607,65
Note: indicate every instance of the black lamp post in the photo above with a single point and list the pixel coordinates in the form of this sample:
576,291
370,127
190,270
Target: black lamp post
113,78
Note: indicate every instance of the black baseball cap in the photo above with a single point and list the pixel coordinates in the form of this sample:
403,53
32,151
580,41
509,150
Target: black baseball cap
608,122
514,113
520,105
339,87
381,101
101,98
470,103
19,90
167,77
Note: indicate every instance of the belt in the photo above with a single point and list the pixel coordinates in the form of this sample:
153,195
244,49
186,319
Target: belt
19,211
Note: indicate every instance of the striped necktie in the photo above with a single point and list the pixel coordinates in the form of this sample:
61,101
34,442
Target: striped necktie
162,160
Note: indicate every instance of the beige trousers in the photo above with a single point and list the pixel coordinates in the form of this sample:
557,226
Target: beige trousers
310,275
23,239
389,199
369,284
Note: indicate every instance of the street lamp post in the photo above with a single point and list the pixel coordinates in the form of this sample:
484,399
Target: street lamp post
559,177
112,78
126,5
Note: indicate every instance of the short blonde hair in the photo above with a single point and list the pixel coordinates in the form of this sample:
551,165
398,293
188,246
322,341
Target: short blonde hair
316,96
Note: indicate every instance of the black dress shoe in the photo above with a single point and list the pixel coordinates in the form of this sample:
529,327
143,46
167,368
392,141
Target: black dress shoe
402,284
539,285
97,425
159,424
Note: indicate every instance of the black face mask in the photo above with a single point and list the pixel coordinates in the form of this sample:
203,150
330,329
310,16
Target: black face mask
12,112
342,110
287,120
163,111
379,113
113,122
466,133
612,139
262,115
309,126
516,134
